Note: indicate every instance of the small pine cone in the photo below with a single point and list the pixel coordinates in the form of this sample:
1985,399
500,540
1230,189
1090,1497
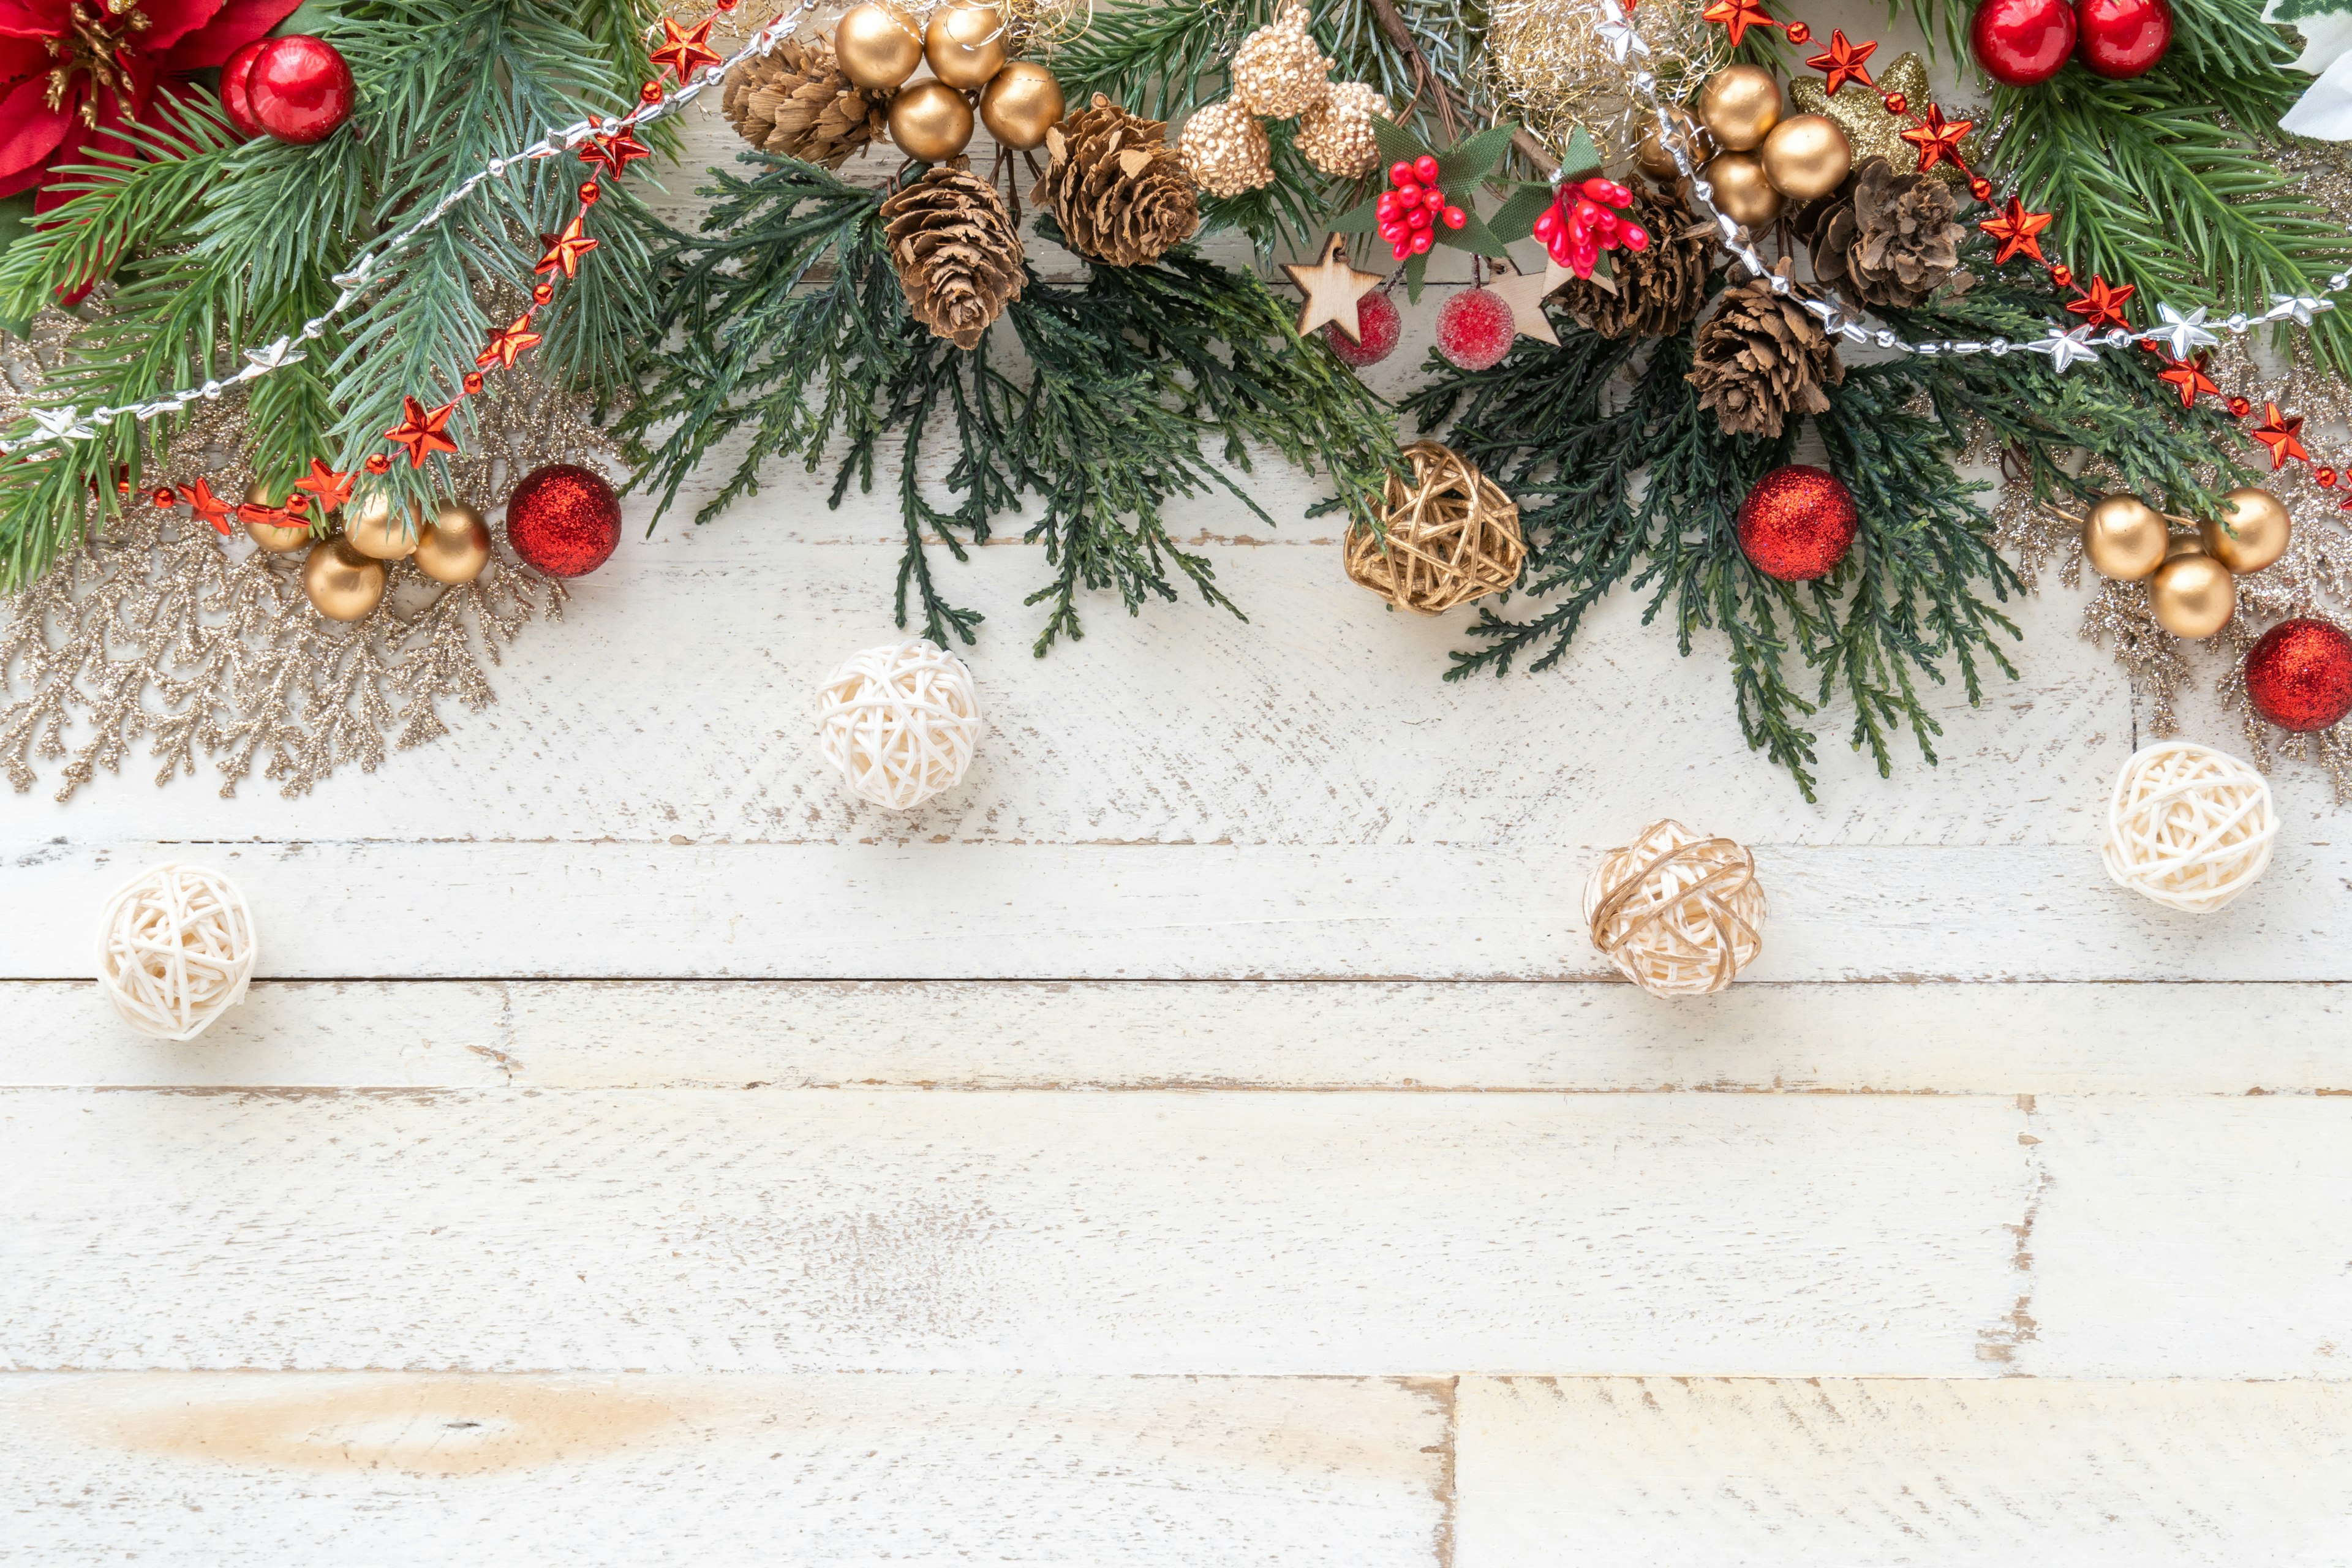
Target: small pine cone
1225,150
1761,357
1336,135
1660,291
1278,71
1118,189
1886,238
798,102
958,254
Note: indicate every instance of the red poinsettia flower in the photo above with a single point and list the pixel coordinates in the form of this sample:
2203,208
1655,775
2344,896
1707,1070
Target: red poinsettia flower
72,72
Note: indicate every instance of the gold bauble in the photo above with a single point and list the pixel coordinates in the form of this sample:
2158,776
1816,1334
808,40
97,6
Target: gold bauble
1741,192
375,529
930,122
1740,104
2263,530
2124,538
965,44
1021,104
341,584
2192,594
456,547
268,535
2183,544
879,46
1805,156
1659,163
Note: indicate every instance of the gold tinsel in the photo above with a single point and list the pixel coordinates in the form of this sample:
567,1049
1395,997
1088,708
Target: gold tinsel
1556,74
1036,28
163,629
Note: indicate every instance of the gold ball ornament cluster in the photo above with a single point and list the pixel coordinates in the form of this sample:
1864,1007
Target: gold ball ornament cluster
1765,155
341,583
457,546
1278,73
1335,135
879,46
973,80
2189,826
1676,914
1452,536
1225,150
2191,578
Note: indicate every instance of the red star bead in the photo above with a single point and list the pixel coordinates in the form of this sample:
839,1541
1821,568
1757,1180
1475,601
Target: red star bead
1739,16
566,249
686,52
2281,436
1938,140
2190,378
1842,62
2101,305
508,343
421,431
614,151
2018,230
206,505
331,487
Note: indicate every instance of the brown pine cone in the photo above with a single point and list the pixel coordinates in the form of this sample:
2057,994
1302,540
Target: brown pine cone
1886,238
958,254
799,103
1660,291
1118,189
1761,357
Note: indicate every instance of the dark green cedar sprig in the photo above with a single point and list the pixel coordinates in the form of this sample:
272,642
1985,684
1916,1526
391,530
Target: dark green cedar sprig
1130,389
217,245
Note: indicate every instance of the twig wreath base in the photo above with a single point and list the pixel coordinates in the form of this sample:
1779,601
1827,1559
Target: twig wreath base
1452,536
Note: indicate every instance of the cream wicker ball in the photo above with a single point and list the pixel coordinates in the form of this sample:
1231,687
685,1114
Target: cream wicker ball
1678,914
175,949
900,723
2189,827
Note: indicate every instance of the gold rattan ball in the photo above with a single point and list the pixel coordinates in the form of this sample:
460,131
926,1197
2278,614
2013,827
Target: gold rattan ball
1678,915
1452,536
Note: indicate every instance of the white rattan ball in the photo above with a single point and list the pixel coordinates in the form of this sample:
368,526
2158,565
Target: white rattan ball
2189,827
1678,915
900,723
175,949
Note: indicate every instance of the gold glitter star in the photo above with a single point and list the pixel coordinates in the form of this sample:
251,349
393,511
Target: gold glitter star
1861,113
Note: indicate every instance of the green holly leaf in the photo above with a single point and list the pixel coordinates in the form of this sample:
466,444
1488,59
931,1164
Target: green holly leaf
1516,218
1583,159
1474,236
1362,218
1468,161
1396,144
1415,269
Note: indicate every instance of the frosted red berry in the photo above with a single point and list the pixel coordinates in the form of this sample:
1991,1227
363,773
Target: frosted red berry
1378,328
1474,330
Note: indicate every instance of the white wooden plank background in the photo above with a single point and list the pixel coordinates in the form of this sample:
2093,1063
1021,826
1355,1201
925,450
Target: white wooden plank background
1204,1137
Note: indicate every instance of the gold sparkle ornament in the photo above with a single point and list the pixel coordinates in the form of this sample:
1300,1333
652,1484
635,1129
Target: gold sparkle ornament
1870,130
1525,293
1336,135
1331,288
1225,150
1278,71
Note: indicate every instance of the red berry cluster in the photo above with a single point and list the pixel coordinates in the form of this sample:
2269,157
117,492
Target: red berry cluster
1410,210
1582,221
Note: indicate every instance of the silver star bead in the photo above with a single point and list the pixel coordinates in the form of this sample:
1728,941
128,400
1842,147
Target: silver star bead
2065,349
2184,332
1623,40
2299,306
61,424
282,351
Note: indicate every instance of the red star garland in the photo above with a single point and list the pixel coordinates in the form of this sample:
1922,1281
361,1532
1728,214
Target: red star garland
1739,16
508,343
206,505
1842,62
564,250
614,151
2018,230
2102,306
331,487
1938,139
686,52
2280,437
2190,379
421,432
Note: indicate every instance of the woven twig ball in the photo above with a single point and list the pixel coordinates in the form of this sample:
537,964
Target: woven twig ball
1679,915
900,723
175,949
1452,536
2187,825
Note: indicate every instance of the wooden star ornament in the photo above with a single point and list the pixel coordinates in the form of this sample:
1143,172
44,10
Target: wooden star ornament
1331,288
1525,293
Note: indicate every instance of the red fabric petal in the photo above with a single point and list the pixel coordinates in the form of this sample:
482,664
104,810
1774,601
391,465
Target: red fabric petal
169,21
238,24
35,18
31,132
21,57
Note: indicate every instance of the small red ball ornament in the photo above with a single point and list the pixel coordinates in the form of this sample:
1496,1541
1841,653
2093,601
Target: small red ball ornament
564,519
299,89
1377,329
2299,675
2123,38
1797,523
1475,328
235,100
2022,42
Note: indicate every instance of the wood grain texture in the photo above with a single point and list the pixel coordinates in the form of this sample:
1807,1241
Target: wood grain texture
1605,1037
1750,1473
848,1470
1152,1232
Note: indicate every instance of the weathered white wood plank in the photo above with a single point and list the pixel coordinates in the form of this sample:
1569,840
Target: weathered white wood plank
1750,1473
191,1468
684,1230
589,910
2140,1039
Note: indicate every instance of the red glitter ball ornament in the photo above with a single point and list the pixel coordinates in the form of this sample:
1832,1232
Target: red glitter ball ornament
564,519
1376,328
1475,328
2022,42
299,89
2300,675
1797,523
